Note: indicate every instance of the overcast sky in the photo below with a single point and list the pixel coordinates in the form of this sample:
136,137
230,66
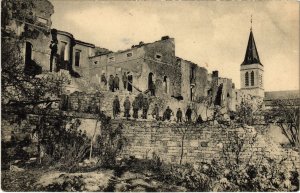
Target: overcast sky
213,34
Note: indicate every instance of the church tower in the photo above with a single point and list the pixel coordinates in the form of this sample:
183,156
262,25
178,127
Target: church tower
252,70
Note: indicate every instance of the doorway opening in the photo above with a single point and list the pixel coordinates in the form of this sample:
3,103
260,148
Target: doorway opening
129,85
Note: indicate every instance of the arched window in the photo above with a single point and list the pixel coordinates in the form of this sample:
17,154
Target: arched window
151,83
252,78
150,80
247,79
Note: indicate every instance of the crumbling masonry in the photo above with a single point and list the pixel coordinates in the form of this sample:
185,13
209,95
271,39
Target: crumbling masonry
144,64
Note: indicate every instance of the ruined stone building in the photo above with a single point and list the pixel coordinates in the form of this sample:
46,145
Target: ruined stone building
143,65
29,22
148,63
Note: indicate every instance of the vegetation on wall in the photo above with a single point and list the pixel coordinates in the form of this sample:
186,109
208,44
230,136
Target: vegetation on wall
21,89
23,13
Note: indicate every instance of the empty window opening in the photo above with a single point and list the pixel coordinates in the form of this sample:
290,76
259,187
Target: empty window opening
166,84
77,57
192,74
150,80
129,54
28,53
111,59
158,56
130,80
219,96
192,90
209,92
63,51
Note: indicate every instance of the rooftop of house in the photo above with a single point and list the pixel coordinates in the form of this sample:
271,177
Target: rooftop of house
287,94
84,43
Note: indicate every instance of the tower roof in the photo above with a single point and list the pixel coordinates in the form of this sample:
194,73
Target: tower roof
251,56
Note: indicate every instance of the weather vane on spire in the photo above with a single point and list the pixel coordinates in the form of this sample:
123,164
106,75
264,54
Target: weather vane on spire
251,23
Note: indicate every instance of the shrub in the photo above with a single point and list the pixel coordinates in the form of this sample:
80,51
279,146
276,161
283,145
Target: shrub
110,143
254,173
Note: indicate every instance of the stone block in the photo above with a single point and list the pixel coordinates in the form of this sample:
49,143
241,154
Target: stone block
173,152
194,143
172,144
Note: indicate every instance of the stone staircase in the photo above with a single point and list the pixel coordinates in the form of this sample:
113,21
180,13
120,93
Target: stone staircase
108,98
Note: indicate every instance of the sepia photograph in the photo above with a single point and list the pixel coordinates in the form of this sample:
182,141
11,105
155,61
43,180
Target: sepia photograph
150,96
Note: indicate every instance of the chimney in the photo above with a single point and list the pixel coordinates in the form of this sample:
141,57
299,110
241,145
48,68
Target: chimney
215,74
165,38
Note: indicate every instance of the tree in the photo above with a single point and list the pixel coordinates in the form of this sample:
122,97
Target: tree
285,113
244,169
28,92
249,111
183,132
24,92
110,142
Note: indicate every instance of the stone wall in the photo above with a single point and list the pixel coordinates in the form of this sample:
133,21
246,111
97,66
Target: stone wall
86,50
200,83
223,92
31,22
185,79
171,72
11,123
134,65
200,144
164,47
82,102
198,80
89,102
227,92
165,67
140,61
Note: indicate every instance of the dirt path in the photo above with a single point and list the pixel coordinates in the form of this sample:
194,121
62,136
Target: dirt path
119,179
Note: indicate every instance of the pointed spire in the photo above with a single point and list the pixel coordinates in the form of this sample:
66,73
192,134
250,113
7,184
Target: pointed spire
251,56
251,23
